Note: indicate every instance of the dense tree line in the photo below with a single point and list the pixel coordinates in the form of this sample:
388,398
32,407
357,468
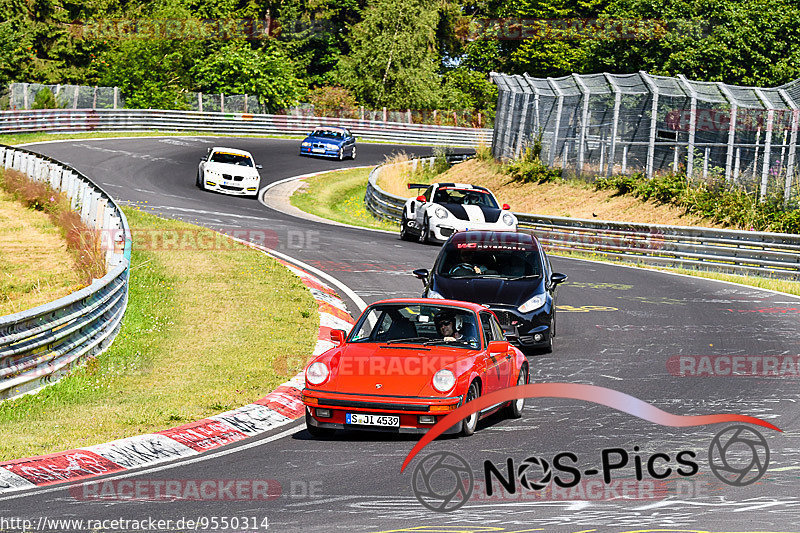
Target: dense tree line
420,54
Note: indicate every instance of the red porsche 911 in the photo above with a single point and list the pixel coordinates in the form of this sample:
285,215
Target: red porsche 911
407,363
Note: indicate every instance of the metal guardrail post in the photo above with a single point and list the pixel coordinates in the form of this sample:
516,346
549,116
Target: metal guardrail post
651,144
615,125
584,121
560,109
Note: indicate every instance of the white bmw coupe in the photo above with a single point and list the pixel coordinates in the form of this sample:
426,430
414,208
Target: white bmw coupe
229,171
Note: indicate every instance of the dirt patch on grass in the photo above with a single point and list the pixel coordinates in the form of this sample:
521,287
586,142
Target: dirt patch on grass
574,199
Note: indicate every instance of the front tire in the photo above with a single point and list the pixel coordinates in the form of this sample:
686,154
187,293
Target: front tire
469,424
316,431
515,409
200,182
341,154
353,153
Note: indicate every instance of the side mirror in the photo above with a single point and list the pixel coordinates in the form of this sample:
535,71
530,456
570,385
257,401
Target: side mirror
506,207
498,347
557,278
421,198
421,273
259,167
337,336
202,159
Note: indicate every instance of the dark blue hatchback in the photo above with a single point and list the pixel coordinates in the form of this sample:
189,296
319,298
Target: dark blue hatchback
509,273
329,141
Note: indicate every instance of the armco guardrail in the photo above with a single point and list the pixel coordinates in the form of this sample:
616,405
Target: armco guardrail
39,345
77,120
731,251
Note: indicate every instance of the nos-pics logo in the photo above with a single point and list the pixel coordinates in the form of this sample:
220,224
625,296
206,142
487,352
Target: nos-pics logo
443,481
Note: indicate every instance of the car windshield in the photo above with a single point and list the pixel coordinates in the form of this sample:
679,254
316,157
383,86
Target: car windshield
231,159
418,324
328,134
490,259
448,195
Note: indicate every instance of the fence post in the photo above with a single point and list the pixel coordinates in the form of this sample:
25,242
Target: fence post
522,121
245,103
94,98
75,97
116,96
615,125
651,145
25,96
787,189
731,129
384,114
221,103
705,163
767,142
692,124
200,101
584,123
560,108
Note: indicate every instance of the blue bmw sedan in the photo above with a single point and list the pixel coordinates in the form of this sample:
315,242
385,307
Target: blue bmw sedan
329,141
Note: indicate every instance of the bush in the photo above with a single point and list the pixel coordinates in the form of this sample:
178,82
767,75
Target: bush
529,168
332,102
45,99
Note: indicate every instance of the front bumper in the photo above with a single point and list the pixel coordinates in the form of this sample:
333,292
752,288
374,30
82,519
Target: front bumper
327,153
527,325
237,188
408,408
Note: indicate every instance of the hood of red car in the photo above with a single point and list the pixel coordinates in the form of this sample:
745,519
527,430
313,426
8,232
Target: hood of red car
392,370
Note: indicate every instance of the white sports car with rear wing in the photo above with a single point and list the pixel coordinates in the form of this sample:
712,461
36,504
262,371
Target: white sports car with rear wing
445,208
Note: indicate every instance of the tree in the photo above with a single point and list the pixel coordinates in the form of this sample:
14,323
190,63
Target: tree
394,59
237,68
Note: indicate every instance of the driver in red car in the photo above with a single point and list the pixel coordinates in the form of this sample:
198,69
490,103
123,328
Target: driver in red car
445,322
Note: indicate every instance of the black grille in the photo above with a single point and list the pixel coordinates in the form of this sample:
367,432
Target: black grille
226,176
230,188
505,317
238,178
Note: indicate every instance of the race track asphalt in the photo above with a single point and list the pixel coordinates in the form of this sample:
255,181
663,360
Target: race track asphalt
617,326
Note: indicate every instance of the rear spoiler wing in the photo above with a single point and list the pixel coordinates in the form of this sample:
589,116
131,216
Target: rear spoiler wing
418,186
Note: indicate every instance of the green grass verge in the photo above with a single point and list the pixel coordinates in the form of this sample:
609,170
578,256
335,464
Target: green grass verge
205,331
339,196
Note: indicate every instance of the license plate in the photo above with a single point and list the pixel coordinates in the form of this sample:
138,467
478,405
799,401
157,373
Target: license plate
318,150
373,420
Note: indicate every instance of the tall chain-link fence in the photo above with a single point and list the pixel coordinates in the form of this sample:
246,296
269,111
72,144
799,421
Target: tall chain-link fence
604,124
23,96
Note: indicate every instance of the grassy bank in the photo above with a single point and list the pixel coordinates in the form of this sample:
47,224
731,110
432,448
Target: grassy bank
339,196
194,342
35,265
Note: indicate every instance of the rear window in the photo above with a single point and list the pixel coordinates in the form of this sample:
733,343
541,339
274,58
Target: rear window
508,260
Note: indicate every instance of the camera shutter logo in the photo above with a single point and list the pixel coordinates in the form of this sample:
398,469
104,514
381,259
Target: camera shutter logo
525,473
738,455
442,482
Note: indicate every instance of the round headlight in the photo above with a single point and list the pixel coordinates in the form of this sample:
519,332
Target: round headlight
317,373
534,303
508,219
444,380
441,212
332,147
306,143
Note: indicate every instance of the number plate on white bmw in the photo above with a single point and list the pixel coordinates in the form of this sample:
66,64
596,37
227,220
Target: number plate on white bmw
373,420
318,150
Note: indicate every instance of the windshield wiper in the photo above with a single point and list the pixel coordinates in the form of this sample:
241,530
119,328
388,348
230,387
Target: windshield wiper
408,339
442,341
532,276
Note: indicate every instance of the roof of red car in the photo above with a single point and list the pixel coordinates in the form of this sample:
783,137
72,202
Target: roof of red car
434,301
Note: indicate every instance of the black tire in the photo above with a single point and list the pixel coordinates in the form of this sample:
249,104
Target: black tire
469,424
404,233
353,153
514,410
315,431
199,182
423,232
341,154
